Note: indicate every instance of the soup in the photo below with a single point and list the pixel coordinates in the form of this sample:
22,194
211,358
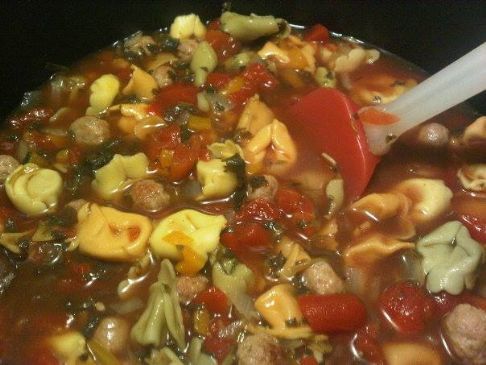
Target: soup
159,206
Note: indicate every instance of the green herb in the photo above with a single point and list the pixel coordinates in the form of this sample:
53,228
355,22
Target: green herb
276,229
165,42
257,182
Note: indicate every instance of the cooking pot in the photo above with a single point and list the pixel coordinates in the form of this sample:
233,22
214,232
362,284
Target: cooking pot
38,36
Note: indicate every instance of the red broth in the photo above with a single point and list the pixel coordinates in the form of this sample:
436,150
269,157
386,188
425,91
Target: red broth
350,306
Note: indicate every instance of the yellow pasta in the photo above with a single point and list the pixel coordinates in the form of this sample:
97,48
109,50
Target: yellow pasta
109,234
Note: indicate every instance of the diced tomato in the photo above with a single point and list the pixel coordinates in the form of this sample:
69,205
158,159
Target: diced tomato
252,236
172,95
476,227
333,313
223,44
297,207
256,78
308,360
164,138
218,80
36,115
214,300
367,344
183,160
318,33
260,209
214,24
407,306
218,347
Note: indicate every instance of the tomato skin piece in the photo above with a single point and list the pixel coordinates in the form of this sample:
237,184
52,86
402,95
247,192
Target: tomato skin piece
214,300
260,209
172,95
333,313
476,227
218,80
407,306
218,347
165,138
367,344
318,33
223,44
248,235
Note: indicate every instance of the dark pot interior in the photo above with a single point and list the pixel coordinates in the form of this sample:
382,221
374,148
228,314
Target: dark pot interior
34,33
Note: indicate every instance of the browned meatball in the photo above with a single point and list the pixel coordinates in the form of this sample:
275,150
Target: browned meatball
162,75
264,186
186,49
260,349
465,331
433,135
189,286
7,165
149,196
321,279
91,131
112,334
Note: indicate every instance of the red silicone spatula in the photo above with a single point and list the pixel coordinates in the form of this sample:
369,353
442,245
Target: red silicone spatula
355,137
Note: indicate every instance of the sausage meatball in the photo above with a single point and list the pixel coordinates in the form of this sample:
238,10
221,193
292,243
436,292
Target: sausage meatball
433,135
189,286
162,75
7,165
90,131
149,196
186,49
321,279
264,186
465,331
112,334
260,349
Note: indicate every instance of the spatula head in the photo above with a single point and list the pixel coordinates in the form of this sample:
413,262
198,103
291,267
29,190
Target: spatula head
326,116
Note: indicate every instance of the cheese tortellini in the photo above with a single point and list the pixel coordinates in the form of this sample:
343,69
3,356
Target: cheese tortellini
271,149
119,173
68,347
186,26
278,307
473,177
450,258
103,92
141,84
270,146
109,234
216,181
204,60
34,190
372,250
187,236
296,258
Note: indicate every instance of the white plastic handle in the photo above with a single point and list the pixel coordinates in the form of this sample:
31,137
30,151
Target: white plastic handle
452,85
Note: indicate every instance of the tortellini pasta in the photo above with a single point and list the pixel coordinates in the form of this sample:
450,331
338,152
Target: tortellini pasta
473,177
255,116
187,236
204,60
141,84
224,150
34,190
294,54
410,353
186,26
296,259
109,234
430,198
103,92
247,28
68,347
163,312
215,179
372,250
476,131
450,258
119,173
271,148
279,307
